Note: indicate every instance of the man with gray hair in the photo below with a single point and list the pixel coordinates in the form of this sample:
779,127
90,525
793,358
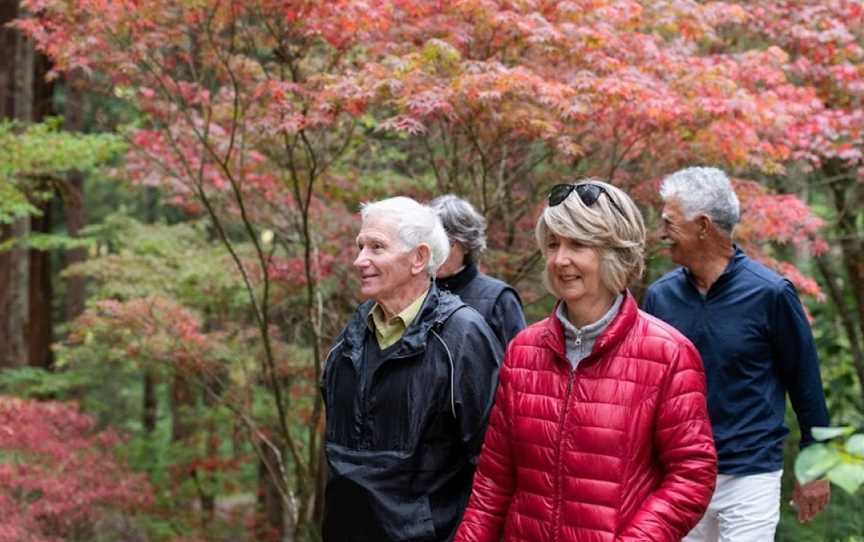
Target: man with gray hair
756,345
407,388
496,300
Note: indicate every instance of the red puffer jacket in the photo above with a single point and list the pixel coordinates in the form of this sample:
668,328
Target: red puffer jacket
620,449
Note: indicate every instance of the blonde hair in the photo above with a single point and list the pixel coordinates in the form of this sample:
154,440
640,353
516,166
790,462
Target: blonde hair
619,239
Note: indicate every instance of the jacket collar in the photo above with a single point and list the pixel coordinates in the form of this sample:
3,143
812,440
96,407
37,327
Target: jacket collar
617,330
455,283
736,261
436,309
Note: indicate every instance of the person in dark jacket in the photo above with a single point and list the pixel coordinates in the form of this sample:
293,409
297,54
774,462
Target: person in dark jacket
407,388
599,432
496,300
756,344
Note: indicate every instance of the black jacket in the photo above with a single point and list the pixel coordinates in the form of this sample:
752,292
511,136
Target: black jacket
496,300
401,448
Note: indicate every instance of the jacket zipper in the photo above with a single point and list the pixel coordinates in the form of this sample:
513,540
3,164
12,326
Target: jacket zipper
558,497
365,388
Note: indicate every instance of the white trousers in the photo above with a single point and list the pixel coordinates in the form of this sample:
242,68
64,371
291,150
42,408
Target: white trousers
744,508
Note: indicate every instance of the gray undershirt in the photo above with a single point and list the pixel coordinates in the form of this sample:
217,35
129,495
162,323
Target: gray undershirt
580,341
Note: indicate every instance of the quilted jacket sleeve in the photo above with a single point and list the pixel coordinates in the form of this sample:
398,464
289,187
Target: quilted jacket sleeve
685,448
495,478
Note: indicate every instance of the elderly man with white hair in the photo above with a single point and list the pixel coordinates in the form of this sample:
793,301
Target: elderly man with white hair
408,387
755,341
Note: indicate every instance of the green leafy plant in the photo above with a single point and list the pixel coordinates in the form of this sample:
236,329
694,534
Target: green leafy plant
839,456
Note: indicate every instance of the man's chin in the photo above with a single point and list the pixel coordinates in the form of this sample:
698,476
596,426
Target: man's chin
368,293
676,256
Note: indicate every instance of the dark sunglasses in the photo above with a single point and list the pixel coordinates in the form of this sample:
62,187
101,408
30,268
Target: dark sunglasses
589,193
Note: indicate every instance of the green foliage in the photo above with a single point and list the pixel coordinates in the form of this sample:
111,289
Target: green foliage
43,149
841,460
13,202
36,383
30,154
135,260
167,301
45,242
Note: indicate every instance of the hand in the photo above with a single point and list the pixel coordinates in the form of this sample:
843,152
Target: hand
811,498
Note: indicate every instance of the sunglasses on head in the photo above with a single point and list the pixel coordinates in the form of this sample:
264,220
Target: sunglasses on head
589,193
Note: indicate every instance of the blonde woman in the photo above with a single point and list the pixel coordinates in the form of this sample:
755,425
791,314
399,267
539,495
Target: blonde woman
599,430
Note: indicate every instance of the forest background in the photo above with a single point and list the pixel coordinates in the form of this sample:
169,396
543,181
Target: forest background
179,187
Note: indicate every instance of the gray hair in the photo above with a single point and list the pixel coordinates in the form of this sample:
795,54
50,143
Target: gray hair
415,224
618,239
463,224
704,190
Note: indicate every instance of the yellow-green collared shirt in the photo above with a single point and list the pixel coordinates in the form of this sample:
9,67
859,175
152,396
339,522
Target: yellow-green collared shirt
387,333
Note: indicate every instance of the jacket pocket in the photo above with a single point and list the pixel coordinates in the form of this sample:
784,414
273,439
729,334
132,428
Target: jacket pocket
405,520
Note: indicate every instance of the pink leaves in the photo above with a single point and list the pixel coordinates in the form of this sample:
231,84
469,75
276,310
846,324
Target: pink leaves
429,103
291,271
58,475
783,218
404,124
158,330
824,38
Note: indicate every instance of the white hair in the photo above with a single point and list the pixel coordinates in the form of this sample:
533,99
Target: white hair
704,190
463,224
415,224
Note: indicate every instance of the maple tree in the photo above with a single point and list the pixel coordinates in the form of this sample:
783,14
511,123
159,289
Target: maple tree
509,98
57,472
245,112
265,116
193,335
825,41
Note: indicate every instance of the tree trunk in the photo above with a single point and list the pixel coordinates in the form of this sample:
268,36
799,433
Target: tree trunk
272,513
8,43
5,271
8,11
17,98
40,297
847,317
150,405
150,400
848,201
16,308
73,204
41,287
212,398
182,396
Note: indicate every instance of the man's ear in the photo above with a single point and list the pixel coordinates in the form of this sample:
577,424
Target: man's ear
705,225
422,255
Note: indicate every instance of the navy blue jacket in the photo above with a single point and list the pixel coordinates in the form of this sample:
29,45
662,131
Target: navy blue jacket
496,300
756,345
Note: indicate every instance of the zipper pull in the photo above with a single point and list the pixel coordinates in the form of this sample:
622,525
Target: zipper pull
578,341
